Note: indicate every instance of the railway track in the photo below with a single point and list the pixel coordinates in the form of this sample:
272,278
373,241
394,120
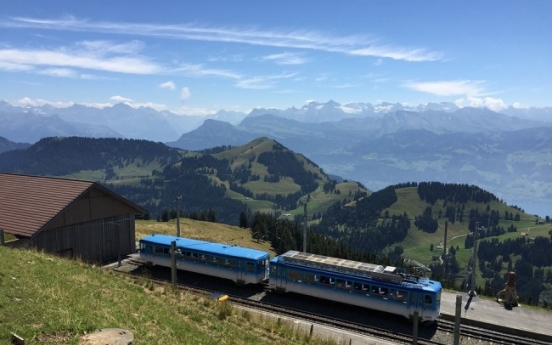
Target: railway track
441,334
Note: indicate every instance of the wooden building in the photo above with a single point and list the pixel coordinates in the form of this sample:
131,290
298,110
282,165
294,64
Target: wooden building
71,218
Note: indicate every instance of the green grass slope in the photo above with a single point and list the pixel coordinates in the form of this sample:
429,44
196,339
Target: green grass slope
49,300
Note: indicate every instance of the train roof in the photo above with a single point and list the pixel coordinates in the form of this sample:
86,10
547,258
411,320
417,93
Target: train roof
208,247
356,268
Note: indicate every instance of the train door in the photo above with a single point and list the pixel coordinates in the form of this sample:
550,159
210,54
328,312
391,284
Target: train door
417,303
282,279
240,272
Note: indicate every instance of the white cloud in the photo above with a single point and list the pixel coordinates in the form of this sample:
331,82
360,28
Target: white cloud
495,104
257,83
169,85
109,47
97,105
262,82
286,59
29,102
185,93
59,72
321,78
447,88
519,105
105,56
398,53
120,99
353,45
200,70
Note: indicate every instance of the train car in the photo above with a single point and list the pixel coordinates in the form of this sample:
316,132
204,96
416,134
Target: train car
239,264
356,283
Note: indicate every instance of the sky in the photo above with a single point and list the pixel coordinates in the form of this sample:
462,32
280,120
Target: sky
198,57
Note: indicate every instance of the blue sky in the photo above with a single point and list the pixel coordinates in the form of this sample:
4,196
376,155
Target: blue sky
197,57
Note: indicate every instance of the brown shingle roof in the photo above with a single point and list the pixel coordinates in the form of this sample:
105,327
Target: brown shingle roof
27,202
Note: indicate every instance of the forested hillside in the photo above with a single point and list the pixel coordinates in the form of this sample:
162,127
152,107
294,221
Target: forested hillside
66,156
215,184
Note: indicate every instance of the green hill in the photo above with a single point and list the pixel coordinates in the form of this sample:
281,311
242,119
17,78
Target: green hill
407,221
260,176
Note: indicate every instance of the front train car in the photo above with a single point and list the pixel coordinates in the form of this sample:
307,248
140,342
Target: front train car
356,283
239,264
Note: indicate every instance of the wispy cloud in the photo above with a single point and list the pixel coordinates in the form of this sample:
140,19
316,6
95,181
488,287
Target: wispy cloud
262,82
286,59
201,70
169,85
448,88
79,56
312,40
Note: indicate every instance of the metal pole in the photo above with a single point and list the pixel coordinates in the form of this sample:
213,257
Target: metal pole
178,216
2,241
474,260
415,330
305,230
457,316
118,244
445,250
173,263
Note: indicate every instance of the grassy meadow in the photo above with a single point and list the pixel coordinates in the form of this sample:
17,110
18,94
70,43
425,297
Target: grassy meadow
207,231
49,300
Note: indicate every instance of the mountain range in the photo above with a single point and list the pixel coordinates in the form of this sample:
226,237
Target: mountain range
508,153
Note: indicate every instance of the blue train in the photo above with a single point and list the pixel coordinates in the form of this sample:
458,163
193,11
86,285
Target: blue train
356,283
361,284
239,264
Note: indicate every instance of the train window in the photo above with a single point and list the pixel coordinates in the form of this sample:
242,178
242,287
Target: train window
400,296
380,291
310,278
158,250
250,267
327,280
294,275
216,259
343,284
230,263
428,300
362,288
